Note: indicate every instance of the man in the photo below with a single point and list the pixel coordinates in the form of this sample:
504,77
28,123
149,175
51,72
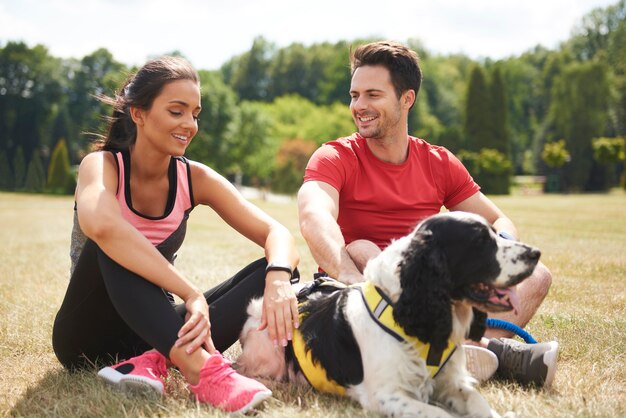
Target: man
362,191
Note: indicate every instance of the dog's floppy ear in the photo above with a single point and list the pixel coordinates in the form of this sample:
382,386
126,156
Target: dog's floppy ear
478,326
423,309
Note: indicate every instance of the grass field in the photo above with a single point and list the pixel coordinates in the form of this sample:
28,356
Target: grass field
582,237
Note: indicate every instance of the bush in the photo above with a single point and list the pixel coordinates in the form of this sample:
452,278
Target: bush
490,168
291,161
555,154
60,176
608,150
494,162
470,160
35,175
609,153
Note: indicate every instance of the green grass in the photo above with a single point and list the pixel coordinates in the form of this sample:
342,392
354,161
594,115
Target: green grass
582,237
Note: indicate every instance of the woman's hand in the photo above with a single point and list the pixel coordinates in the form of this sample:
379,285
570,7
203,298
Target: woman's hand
196,331
280,307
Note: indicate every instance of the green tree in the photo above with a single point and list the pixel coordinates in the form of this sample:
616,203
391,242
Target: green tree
31,83
60,176
6,174
252,154
593,32
437,116
61,127
477,112
35,175
553,68
333,69
19,169
523,93
617,61
263,129
289,73
451,137
291,161
328,123
422,123
329,76
290,114
248,74
601,35
616,56
94,75
499,114
580,100
217,122
296,117
486,130
445,86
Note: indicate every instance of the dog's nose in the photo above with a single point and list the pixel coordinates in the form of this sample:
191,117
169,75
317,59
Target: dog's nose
532,254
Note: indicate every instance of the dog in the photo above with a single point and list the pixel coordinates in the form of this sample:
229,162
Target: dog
394,342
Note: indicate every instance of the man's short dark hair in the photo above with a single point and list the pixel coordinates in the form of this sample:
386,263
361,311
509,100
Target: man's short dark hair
402,63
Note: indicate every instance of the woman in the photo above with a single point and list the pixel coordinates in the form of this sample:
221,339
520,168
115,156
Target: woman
133,198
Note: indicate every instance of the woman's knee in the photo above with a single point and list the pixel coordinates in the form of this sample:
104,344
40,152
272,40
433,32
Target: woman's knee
67,356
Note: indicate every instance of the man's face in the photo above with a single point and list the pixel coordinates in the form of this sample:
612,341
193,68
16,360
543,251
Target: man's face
376,110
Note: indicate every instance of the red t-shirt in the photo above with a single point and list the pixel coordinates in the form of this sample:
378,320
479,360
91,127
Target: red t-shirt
379,201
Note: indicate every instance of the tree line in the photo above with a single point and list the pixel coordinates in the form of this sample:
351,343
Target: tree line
557,113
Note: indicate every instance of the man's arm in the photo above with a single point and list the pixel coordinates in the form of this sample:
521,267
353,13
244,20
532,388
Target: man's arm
480,204
318,207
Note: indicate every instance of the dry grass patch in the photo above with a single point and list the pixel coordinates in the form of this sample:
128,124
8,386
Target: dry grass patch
582,237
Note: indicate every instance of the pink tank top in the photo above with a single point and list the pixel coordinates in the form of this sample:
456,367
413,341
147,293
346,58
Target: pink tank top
179,202
166,232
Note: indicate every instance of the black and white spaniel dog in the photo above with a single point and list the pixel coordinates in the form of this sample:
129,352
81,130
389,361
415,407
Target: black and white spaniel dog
394,342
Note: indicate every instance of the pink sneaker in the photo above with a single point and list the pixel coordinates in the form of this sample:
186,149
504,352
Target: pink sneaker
144,373
224,388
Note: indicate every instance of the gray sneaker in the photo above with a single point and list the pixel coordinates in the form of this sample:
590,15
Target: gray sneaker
528,364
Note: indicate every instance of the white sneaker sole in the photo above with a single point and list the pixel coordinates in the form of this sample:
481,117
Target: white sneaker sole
549,359
256,400
129,382
481,363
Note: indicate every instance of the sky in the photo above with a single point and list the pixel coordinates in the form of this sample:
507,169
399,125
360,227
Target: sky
210,32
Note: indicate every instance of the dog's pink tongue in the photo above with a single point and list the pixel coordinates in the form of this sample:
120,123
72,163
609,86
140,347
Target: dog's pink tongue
507,296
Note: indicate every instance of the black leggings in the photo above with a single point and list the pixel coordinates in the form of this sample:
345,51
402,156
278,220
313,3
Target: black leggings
112,313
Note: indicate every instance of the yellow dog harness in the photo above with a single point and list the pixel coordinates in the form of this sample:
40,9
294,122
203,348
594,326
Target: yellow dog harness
380,309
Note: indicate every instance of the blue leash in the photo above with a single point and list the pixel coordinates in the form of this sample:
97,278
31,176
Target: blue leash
499,323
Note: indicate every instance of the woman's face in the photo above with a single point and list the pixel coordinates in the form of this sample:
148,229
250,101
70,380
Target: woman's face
172,121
